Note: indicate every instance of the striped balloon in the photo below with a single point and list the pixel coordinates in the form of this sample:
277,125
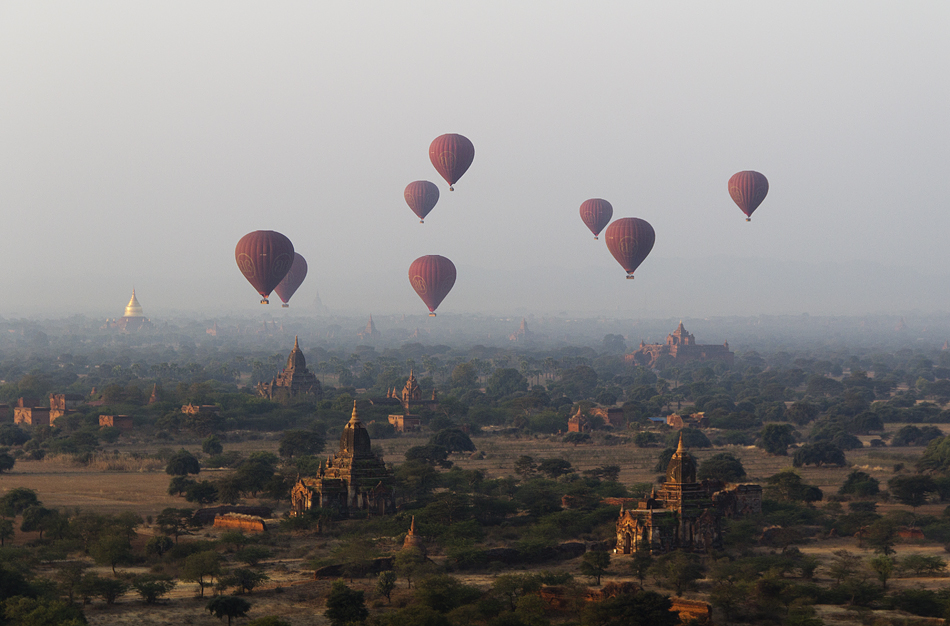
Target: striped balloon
596,214
748,189
451,155
432,276
630,240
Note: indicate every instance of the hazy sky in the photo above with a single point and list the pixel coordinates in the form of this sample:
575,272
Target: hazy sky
140,140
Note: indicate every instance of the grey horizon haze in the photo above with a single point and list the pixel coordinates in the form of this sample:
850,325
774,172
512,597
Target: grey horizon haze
140,141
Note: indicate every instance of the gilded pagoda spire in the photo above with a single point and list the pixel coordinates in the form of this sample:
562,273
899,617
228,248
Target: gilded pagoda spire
133,308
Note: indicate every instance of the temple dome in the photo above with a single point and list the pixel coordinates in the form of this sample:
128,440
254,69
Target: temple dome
682,467
355,438
133,308
296,360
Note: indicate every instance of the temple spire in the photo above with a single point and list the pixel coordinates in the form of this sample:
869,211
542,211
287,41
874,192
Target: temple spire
680,448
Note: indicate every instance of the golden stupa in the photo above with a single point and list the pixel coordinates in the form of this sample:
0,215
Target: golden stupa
133,308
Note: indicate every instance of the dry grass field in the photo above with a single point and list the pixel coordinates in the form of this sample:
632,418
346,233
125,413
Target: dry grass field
119,483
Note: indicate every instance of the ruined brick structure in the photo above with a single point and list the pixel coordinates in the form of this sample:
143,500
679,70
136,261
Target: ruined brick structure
407,423
577,423
296,380
680,346
684,514
237,521
122,422
369,333
356,478
411,396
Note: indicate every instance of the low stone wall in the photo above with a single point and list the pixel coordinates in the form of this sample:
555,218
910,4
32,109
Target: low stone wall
692,609
236,521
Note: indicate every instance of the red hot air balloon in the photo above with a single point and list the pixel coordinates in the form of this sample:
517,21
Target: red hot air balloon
292,281
451,155
421,197
630,240
748,189
264,257
432,276
596,213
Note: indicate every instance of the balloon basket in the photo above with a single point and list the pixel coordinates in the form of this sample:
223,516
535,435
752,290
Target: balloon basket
748,219
431,314
451,188
265,301
630,277
595,237
285,306
422,221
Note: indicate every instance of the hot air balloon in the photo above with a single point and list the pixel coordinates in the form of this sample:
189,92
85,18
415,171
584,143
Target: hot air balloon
292,281
264,257
630,240
596,213
748,189
432,276
421,197
451,155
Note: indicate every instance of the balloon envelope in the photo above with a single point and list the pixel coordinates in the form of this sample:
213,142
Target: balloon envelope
748,189
451,155
264,257
630,240
421,197
432,276
596,213
292,281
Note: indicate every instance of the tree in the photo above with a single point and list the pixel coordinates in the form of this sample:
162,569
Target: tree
818,454
641,562
644,608
228,606
525,466
212,446
12,435
158,545
912,490
801,413
182,463
677,570
692,438
109,589
6,462
201,568
883,566
345,606
410,563
577,438
244,579
787,485
514,586
776,438
445,593
179,485
176,522
300,443
453,440
17,500
39,518
152,588
429,454
386,583
252,555
881,536
594,564
25,611
722,466
6,531
555,468
111,550
504,382
860,484
202,493
269,620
